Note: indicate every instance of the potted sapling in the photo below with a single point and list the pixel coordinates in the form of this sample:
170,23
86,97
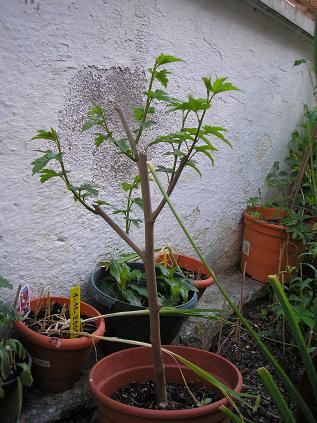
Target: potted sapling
166,366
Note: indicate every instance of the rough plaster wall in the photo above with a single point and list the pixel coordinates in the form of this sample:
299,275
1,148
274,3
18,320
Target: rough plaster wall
56,56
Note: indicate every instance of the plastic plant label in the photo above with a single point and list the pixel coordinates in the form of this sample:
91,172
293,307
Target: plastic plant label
40,362
24,301
246,247
74,310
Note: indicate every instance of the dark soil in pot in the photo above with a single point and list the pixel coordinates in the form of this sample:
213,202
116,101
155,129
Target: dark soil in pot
250,358
40,321
143,395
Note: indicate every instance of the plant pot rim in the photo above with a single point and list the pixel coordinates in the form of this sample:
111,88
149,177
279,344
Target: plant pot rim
262,222
57,343
114,300
13,378
165,414
192,264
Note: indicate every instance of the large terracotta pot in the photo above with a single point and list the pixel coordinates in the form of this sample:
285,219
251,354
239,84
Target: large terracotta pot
136,365
267,247
191,264
57,363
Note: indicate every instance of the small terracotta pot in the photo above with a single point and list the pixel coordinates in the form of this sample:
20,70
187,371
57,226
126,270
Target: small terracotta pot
267,247
192,264
136,365
57,363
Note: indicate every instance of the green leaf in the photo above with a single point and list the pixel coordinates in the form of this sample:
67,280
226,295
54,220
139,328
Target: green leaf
164,169
163,59
192,164
276,395
41,162
94,121
141,290
96,110
126,186
4,283
138,113
46,135
132,297
217,131
88,190
149,123
205,150
157,95
138,201
100,138
193,104
136,222
207,83
220,85
47,174
233,417
124,147
101,203
161,76
300,61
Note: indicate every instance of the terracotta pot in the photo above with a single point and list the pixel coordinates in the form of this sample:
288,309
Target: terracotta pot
267,247
192,264
136,365
57,363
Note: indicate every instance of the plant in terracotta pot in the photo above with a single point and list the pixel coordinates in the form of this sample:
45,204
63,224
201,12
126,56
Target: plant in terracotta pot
15,364
275,235
57,357
183,146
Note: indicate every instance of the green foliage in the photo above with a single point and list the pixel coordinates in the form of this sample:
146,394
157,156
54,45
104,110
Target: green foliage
130,286
4,283
13,356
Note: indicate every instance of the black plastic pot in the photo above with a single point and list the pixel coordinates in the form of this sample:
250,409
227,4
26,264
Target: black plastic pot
9,404
133,327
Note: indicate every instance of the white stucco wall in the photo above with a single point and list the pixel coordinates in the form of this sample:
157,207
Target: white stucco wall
50,54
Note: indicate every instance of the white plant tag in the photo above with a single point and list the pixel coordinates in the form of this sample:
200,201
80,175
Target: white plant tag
41,363
24,301
246,247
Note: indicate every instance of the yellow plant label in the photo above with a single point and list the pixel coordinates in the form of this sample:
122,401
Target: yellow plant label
74,310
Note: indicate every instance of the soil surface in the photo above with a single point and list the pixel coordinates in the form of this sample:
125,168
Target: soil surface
248,358
41,321
143,395
190,274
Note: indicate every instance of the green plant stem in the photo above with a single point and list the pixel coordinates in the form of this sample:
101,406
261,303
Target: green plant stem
127,217
181,166
147,106
296,332
279,370
276,395
66,180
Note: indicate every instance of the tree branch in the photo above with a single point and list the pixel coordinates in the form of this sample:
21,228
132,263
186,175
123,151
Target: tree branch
127,130
119,231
